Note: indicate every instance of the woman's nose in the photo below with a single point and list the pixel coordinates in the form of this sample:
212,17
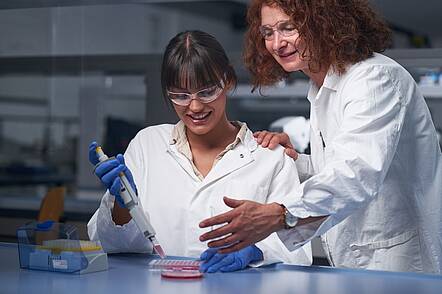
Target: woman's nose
196,105
278,42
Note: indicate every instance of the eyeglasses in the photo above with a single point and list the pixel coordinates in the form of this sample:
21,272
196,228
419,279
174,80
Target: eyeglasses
284,27
206,95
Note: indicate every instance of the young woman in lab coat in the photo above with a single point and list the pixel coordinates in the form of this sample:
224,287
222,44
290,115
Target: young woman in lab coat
182,171
372,186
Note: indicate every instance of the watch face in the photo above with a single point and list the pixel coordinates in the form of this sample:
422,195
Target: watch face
290,219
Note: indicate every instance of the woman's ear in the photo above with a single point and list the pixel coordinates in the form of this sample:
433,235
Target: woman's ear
230,85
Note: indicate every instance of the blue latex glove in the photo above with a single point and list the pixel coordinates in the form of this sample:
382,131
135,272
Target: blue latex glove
213,261
108,172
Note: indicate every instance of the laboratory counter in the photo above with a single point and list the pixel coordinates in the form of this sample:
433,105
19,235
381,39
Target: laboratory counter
128,273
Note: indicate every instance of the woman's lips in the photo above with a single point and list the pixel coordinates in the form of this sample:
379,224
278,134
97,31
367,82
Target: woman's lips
199,118
289,54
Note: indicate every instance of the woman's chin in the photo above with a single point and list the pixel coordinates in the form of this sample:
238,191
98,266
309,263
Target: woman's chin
198,128
292,66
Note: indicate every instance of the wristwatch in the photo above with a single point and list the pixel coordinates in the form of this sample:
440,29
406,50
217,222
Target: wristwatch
290,220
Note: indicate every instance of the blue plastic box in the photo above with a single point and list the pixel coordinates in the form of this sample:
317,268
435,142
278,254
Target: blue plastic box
55,247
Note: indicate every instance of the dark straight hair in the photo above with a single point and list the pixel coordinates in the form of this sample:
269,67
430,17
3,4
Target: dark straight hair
194,60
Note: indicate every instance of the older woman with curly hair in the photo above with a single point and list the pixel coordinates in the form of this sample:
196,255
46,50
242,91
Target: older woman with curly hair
371,187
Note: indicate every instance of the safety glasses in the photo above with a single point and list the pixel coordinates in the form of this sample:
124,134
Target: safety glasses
206,95
284,28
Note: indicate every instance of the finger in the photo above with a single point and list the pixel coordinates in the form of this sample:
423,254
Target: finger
291,153
126,171
235,247
233,203
120,158
224,242
284,140
106,167
274,142
93,158
129,176
206,255
256,134
109,177
116,187
230,268
218,219
219,232
93,144
260,136
266,139
215,259
227,260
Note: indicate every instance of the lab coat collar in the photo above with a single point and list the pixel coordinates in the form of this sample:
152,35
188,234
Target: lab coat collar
177,133
244,135
249,141
331,81
235,159
241,155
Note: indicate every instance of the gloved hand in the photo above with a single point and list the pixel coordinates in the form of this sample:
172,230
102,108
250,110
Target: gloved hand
213,261
108,172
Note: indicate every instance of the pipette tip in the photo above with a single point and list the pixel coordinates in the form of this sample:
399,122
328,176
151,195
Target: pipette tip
159,250
157,247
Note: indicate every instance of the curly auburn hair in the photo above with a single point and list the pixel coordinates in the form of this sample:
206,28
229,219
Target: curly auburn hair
336,33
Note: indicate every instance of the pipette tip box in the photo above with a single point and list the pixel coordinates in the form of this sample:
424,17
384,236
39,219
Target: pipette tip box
55,247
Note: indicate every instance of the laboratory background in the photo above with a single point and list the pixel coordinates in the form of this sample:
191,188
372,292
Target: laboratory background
74,71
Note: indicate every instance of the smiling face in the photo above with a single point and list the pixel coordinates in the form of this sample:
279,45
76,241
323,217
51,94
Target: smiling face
201,118
286,50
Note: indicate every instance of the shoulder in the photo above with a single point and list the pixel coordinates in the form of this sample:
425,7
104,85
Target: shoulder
148,141
258,151
272,157
373,77
379,66
274,154
164,130
277,165
154,135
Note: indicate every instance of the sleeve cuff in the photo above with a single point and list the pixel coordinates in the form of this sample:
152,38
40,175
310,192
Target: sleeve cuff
118,238
300,235
274,251
268,257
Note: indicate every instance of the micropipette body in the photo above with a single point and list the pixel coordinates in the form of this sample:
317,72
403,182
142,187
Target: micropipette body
130,200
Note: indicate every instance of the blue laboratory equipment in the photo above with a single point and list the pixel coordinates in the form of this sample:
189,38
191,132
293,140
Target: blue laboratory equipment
52,246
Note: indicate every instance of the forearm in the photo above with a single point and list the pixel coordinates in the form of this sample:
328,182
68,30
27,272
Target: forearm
120,215
113,237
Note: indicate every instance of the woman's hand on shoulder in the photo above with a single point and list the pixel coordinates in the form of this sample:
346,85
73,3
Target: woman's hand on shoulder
272,139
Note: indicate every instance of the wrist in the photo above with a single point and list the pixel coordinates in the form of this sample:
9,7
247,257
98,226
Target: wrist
290,221
120,215
279,210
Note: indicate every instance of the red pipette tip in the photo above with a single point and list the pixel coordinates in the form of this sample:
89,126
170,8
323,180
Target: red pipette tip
159,250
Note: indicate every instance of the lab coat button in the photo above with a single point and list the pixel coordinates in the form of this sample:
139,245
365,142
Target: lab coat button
241,155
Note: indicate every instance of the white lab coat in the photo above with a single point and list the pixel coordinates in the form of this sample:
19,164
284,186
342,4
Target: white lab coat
379,176
177,200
